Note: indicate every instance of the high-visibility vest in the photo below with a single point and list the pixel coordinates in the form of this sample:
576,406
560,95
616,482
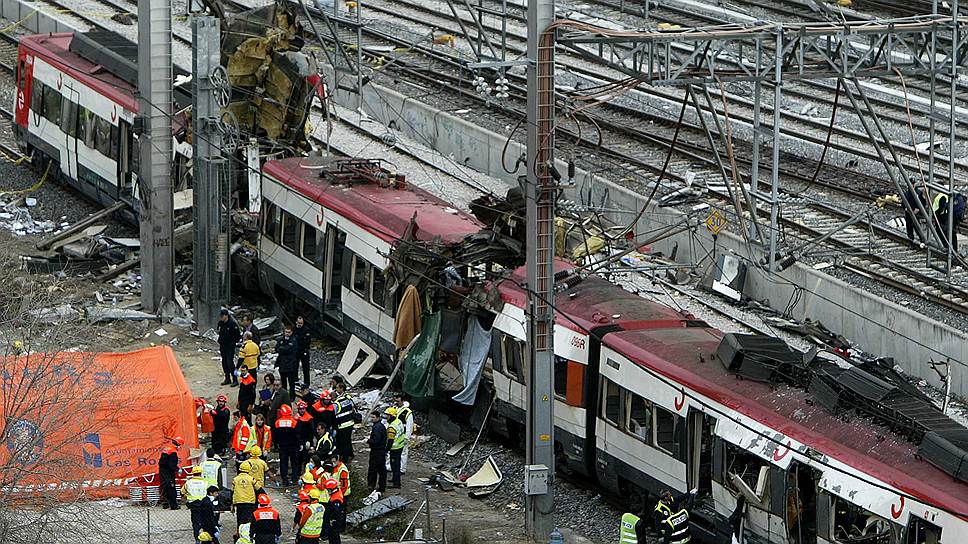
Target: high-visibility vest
210,470
677,525
242,439
195,489
344,412
400,439
314,525
404,413
244,537
627,534
343,477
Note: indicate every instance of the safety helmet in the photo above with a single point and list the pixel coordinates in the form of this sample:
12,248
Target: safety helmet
222,398
326,394
391,411
314,494
264,500
331,484
199,401
308,478
301,404
179,441
256,451
303,495
285,410
245,466
197,469
203,536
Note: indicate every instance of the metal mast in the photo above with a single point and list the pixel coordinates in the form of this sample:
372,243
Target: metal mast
210,251
540,252
155,142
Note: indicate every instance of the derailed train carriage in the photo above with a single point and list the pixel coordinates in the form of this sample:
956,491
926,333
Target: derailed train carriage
646,397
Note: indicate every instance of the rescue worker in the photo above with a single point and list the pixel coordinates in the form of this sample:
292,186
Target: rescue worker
341,473
168,470
228,336
940,205
913,215
307,481
324,444
212,469
287,439
672,517
311,522
243,494
258,469
263,433
303,341
324,411
220,418
204,516
300,508
396,440
205,537
405,415
265,527
287,348
345,411
195,488
244,536
242,440
304,432
246,393
632,528
249,355
335,514
376,474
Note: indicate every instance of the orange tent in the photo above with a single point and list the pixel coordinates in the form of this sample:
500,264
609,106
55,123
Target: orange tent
81,421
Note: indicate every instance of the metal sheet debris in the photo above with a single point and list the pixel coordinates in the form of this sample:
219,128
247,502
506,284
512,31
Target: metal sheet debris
456,448
97,314
381,507
488,475
357,361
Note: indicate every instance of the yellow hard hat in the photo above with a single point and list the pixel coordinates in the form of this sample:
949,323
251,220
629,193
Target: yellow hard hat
308,478
245,466
197,469
203,536
256,451
391,411
314,494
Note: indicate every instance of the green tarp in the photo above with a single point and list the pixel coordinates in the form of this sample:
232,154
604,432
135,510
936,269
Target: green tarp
420,362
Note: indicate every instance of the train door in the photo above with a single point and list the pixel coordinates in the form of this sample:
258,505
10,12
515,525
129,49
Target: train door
127,161
920,531
69,122
699,468
801,504
333,273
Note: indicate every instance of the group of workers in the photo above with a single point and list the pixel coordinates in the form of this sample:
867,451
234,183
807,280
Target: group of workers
314,444
916,206
670,518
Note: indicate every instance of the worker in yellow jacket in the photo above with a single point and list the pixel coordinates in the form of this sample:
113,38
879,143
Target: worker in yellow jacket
249,355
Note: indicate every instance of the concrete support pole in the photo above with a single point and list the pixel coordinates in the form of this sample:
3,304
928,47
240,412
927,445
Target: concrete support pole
210,251
540,252
155,142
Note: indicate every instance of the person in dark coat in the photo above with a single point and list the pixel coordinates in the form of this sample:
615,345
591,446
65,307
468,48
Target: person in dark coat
168,470
914,215
286,438
304,431
220,417
288,362
303,341
204,517
228,336
280,397
249,326
376,475
246,392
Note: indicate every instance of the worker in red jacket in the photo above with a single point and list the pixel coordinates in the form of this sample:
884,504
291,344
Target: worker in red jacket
305,431
285,436
167,470
220,417
335,515
265,527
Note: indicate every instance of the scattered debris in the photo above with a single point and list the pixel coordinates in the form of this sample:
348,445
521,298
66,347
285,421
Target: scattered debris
443,427
379,508
358,360
488,475
55,315
97,314
456,448
161,332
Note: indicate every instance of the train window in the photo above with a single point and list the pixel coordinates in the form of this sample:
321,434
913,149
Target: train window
82,124
666,437
513,357
378,288
561,377
52,105
115,142
102,136
921,532
37,97
290,232
639,421
69,119
851,523
309,243
747,468
611,402
270,228
360,276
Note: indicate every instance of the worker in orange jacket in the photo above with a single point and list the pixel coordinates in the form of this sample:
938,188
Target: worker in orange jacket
335,515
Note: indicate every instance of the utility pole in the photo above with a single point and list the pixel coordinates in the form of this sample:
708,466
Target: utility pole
210,251
539,474
155,185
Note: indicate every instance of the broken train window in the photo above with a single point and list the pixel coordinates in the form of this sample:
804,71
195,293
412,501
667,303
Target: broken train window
666,430
745,473
378,288
512,353
290,232
360,278
611,402
851,524
639,417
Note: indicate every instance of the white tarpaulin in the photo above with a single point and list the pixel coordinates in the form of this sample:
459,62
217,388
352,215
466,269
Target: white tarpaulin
473,352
